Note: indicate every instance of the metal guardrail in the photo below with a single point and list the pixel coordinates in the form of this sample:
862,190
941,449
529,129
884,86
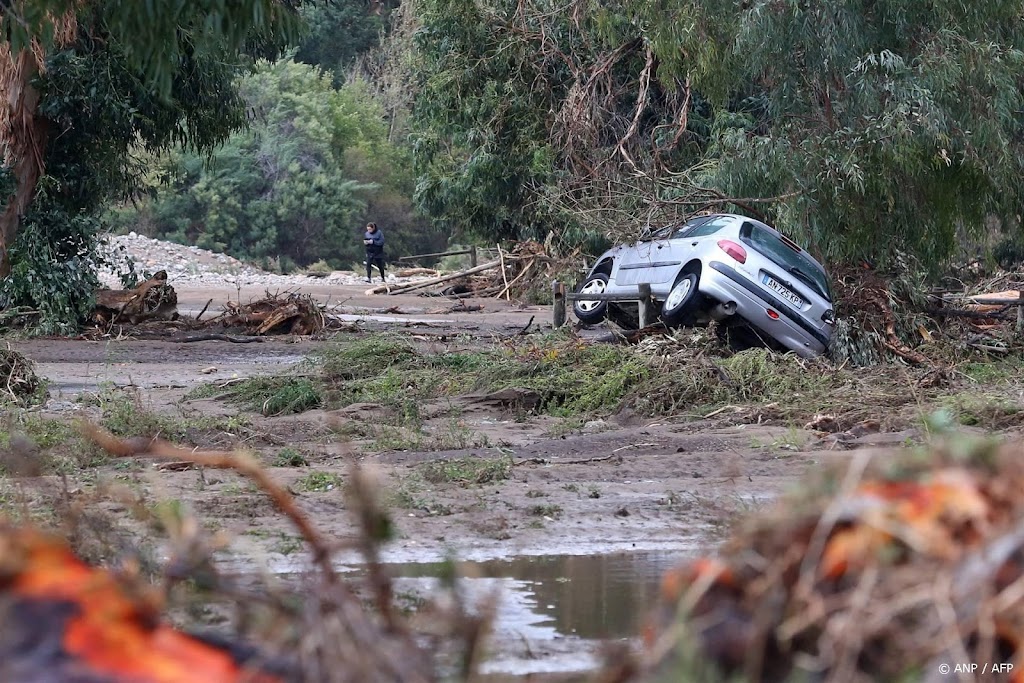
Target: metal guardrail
559,297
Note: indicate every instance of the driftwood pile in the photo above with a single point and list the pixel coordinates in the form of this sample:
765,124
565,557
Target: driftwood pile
991,318
18,380
154,299
885,570
896,316
291,314
506,276
151,308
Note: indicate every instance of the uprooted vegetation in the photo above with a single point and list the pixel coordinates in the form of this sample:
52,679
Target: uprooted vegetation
19,383
689,376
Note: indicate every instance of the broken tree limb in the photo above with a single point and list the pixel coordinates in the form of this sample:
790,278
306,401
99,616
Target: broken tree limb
504,276
154,299
433,281
517,278
998,313
204,310
413,272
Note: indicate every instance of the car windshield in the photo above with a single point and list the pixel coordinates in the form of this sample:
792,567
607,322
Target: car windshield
702,227
796,263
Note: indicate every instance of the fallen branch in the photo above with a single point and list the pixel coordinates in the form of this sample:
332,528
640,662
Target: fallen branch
204,310
504,276
433,281
517,278
216,337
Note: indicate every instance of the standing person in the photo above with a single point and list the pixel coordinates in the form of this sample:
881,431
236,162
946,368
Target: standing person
373,238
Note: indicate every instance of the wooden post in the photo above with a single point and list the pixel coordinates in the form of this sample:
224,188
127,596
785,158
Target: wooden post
558,304
646,305
1020,311
472,257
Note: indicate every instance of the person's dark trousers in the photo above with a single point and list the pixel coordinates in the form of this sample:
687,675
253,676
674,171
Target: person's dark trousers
374,260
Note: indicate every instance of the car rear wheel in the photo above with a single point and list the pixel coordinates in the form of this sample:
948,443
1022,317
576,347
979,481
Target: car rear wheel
592,311
681,302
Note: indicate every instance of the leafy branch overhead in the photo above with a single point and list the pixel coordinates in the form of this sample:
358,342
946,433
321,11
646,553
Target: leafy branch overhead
838,122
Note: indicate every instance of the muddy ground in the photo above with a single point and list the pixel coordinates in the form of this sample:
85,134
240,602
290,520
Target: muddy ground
619,483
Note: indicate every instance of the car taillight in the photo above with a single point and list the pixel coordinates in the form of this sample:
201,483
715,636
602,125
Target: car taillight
733,249
829,317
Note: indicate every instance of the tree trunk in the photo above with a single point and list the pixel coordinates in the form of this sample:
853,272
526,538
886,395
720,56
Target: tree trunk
23,135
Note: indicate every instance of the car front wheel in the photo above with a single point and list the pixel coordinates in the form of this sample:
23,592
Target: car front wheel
681,302
592,311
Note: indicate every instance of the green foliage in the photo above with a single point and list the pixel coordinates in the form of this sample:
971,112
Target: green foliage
124,415
319,482
862,131
275,395
296,186
160,35
53,269
570,379
467,471
290,457
338,33
108,95
480,138
897,123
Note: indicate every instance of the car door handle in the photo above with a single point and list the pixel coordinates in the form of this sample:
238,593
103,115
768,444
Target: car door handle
693,244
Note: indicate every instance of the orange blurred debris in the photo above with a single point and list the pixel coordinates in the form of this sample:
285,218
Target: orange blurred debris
95,627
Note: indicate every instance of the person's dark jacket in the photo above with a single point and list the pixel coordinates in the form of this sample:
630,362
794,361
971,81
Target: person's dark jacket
376,247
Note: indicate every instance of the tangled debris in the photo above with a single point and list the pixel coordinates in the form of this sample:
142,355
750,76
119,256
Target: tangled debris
148,311
884,572
20,382
507,274
292,314
154,299
898,316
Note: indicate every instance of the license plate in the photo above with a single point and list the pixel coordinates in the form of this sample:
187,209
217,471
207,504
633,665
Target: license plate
782,291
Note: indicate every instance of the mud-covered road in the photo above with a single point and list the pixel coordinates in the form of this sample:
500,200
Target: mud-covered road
622,486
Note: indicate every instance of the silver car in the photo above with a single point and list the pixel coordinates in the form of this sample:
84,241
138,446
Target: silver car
723,267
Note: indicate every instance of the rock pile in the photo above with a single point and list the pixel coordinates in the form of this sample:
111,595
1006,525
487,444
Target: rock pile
195,266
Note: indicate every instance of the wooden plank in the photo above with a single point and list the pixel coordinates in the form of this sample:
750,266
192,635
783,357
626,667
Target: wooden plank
1020,312
987,301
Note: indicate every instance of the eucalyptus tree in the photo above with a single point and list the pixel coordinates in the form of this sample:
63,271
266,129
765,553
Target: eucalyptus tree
84,85
863,127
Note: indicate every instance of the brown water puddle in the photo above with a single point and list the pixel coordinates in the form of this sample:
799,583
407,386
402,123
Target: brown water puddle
553,610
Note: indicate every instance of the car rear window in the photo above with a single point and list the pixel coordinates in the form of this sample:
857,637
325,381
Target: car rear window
795,262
